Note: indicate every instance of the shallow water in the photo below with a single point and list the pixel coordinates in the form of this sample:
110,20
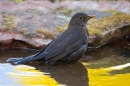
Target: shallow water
107,66
39,74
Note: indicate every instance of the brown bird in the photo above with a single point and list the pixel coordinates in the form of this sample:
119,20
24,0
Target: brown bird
69,47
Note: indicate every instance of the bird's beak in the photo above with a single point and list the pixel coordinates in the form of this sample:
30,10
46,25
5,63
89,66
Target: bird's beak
91,16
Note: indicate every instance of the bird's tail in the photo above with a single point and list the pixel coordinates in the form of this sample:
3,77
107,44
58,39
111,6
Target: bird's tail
26,59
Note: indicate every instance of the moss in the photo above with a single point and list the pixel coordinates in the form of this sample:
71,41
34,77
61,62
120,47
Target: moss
8,22
17,1
113,12
97,27
64,10
39,30
61,29
24,29
27,34
47,33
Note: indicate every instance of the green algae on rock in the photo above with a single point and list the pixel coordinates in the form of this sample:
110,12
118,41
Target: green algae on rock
61,29
98,27
17,1
109,28
8,22
47,33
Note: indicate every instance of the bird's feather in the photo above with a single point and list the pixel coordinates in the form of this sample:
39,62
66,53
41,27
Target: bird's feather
68,45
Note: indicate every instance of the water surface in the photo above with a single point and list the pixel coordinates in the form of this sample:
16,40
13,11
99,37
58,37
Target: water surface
107,66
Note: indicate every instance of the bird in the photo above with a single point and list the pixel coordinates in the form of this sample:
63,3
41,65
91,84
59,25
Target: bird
68,47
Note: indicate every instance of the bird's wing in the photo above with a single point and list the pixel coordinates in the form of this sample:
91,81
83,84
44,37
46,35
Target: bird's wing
28,58
63,46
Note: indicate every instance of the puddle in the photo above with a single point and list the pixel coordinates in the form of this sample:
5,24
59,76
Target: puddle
107,66
38,74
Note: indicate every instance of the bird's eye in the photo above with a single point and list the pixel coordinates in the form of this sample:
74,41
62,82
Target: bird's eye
80,17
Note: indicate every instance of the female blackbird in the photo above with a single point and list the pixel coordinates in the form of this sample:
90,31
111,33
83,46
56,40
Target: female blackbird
70,46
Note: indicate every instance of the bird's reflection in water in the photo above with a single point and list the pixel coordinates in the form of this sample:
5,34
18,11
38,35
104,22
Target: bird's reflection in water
74,74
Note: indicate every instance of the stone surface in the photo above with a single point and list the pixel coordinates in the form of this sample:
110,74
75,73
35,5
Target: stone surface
25,21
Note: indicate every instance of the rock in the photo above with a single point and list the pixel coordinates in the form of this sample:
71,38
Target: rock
10,39
37,26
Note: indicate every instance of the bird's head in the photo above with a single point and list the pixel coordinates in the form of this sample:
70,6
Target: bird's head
80,19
